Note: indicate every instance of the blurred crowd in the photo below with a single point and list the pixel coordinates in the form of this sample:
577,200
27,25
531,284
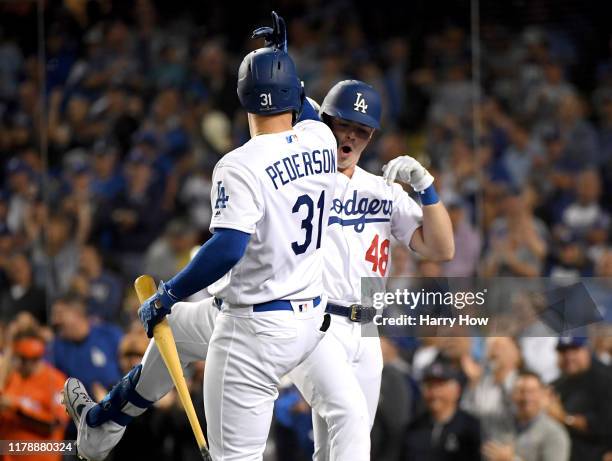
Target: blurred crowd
106,155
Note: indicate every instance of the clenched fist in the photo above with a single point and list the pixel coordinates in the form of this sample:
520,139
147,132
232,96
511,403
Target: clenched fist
409,171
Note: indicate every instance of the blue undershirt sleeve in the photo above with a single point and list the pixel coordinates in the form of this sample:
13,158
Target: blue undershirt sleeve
212,261
308,112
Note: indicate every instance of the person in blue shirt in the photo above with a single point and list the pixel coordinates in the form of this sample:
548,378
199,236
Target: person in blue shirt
81,349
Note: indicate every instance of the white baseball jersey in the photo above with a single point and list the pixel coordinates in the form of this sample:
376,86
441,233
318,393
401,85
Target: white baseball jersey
278,188
365,213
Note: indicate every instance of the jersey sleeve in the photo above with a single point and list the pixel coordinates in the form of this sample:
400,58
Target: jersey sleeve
235,199
407,215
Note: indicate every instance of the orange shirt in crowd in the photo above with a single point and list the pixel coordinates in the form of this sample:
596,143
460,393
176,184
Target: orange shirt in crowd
36,412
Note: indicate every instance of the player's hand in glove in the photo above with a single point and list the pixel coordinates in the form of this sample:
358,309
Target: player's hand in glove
408,170
154,309
275,36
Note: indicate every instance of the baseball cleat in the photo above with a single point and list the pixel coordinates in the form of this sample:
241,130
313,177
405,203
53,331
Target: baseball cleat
76,399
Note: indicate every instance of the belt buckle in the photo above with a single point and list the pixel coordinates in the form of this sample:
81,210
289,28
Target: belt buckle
355,312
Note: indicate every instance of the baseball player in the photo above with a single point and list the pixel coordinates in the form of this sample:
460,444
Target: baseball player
342,376
341,379
271,200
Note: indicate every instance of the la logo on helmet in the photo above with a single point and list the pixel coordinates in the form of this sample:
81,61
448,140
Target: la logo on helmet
360,103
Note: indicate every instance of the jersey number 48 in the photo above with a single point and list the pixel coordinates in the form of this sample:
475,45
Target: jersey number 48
378,257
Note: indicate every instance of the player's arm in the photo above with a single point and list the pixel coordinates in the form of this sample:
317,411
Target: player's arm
276,37
236,208
434,239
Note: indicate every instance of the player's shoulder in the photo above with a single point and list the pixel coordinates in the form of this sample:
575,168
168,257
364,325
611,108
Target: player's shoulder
243,158
374,182
315,128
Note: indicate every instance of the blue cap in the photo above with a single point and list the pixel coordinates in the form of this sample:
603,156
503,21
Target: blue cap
442,371
268,83
571,342
355,101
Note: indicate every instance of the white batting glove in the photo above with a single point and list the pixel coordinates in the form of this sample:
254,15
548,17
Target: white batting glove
408,170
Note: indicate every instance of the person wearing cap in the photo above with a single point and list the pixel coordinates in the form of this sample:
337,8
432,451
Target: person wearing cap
538,437
444,432
30,408
583,399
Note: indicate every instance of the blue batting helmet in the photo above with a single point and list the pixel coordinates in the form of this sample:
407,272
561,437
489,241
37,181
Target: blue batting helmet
355,101
268,83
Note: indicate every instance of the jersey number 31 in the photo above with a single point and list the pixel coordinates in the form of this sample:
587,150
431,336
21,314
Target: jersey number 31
305,200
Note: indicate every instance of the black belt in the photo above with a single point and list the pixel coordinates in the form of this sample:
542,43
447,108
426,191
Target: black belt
355,313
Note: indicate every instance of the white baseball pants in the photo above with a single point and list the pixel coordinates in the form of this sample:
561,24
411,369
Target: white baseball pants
340,380
249,353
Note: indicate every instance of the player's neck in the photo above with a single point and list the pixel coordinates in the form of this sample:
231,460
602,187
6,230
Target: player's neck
269,124
348,171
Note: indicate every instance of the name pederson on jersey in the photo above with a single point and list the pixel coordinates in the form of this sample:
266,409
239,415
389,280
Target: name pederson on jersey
278,188
365,213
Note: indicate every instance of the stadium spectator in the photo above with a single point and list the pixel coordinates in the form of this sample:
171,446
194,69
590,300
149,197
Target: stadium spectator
30,408
465,262
105,289
517,240
538,436
397,404
22,295
580,144
583,399
488,396
22,191
55,252
444,431
585,218
520,155
171,252
82,349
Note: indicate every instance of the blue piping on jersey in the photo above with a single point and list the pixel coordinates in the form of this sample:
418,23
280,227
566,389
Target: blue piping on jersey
358,223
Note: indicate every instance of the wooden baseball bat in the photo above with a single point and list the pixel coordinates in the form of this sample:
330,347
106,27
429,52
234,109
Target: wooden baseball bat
164,339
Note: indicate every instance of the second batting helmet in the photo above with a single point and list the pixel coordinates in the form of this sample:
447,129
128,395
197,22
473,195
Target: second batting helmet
268,83
355,101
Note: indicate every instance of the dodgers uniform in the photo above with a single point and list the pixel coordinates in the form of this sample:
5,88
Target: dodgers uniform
279,188
341,378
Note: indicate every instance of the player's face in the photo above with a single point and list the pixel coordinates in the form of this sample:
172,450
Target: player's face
352,139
